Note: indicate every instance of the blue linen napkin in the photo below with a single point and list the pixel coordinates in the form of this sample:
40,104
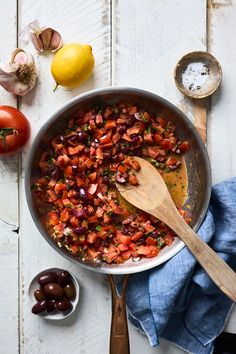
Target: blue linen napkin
177,300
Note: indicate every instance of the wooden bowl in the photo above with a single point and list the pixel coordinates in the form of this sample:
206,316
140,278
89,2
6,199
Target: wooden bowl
198,74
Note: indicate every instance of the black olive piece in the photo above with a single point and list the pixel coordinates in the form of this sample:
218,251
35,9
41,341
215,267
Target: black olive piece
39,307
64,277
47,277
39,295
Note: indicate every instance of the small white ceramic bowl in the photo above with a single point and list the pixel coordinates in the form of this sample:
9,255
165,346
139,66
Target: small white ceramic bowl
34,285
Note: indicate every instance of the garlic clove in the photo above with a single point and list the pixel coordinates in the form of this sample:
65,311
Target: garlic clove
56,41
37,42
19,57
46,36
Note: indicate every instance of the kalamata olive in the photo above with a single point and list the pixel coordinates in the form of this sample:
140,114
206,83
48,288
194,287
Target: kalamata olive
51,305
39,295
83,193
106,155
53,291
63,305
79,230
124,149
39,307
122,129
70,291
83,137
48,277
74,168
64,277
59,139
136,140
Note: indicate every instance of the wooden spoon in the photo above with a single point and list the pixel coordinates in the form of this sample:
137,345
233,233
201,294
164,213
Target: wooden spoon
152,196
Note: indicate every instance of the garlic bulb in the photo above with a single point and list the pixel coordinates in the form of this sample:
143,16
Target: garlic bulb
43,39
18,76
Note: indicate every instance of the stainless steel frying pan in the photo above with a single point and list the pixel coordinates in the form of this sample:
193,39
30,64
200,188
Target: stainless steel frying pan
198,170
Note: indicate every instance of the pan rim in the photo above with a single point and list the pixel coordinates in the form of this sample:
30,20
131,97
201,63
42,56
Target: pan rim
104,268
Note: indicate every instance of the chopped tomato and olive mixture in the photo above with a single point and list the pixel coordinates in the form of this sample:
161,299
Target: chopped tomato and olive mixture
79,171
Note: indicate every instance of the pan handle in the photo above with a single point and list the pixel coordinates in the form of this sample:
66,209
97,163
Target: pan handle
119,336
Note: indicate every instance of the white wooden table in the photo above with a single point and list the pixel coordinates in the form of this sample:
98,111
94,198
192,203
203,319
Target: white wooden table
135,43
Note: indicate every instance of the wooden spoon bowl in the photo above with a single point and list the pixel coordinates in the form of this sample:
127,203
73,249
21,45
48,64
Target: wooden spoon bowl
153,197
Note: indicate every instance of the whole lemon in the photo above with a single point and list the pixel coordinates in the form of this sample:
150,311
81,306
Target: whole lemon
72,65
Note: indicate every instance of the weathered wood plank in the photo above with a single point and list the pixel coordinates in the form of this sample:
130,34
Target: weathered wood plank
221,121
8,204
87,331
150,37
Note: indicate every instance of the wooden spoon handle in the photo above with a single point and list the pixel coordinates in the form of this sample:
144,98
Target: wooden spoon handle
222,275
119,336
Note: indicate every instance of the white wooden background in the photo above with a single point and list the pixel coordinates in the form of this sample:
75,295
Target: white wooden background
135,43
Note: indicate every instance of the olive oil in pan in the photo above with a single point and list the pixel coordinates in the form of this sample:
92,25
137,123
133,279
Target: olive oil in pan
177,184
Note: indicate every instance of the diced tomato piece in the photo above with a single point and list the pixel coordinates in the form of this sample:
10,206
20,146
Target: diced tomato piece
92,253
63,160
92,237
133,180
132,246
52,195
115,138
168,144
116,209
75,248
110,257
65,215
162,122
79,181
110,124
151,241
53,218
92,219
92,188
121,238
157,138
148,251
148,137
137,236
76,149
88,163
125,256
74,221
121,168
92,176
68,171
67,203
184,146
52,183
92,124
172,163
133,130
125,213
99,119
129,161
126,137
154,152
99,154
122,247
106,218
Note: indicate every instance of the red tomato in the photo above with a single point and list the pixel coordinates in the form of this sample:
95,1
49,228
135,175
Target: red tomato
14,130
